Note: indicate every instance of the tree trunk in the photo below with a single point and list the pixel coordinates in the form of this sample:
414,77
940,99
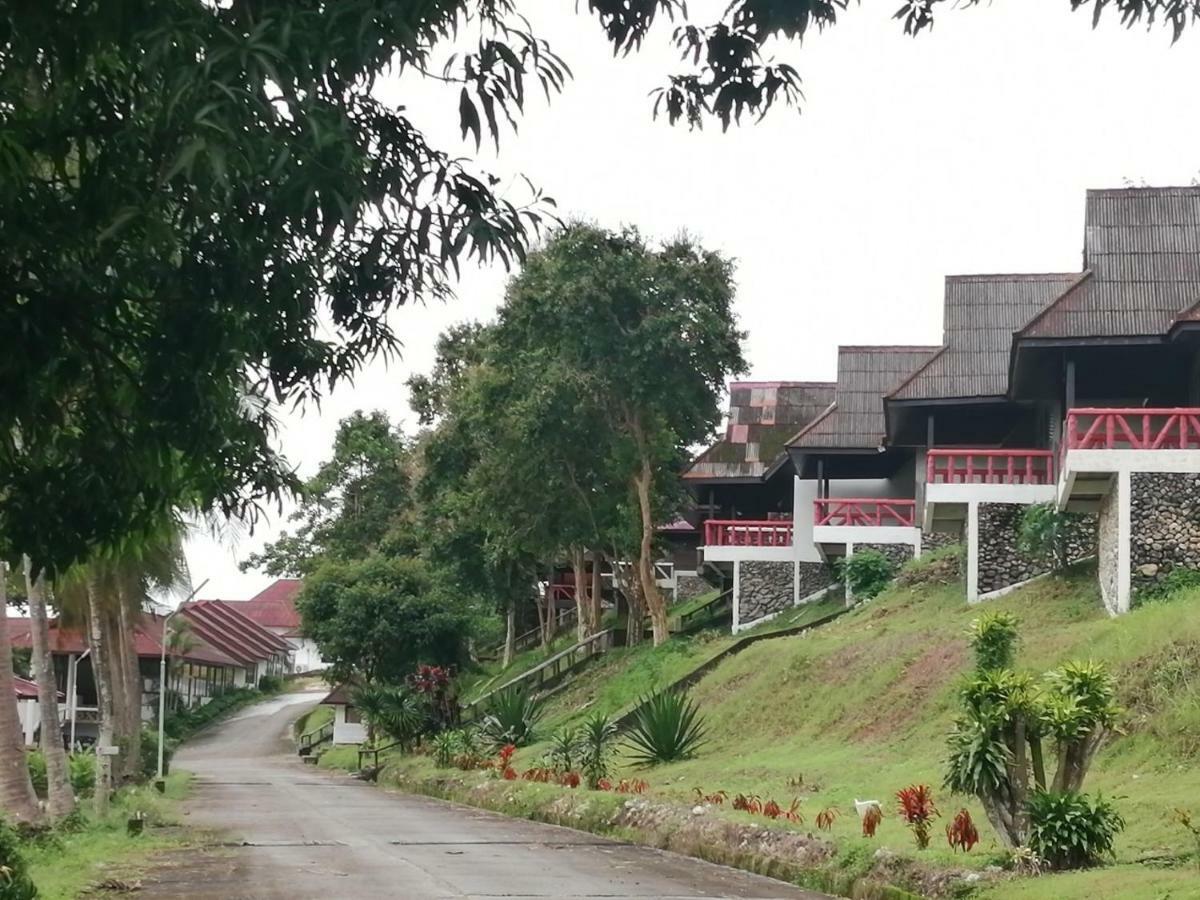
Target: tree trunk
543,629
17,798
635,609
1019,779
60,799
104,693
510,633
1039,764
110,637
653,598
994,809
583,625
594,595
131,755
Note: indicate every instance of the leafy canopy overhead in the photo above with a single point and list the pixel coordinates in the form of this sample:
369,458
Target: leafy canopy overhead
206,209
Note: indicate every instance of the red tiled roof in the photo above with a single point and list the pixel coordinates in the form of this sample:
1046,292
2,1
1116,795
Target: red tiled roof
26,690
219,623
147,641
275,607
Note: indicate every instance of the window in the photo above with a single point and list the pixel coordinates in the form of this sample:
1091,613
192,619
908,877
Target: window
353,715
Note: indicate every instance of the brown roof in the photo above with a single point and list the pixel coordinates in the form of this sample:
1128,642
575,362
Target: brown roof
981,312
339,696
855,419
275,606
1142,261
220,624
147,641
762,416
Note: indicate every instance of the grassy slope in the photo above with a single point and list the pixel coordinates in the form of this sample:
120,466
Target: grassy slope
860,708
64,866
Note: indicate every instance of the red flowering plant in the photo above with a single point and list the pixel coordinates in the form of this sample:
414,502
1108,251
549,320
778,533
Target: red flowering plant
435,685
918,811
961,833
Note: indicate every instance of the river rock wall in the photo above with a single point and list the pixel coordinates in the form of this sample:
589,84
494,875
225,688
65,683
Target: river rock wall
764,588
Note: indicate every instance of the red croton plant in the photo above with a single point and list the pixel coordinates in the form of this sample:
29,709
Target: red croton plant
918,811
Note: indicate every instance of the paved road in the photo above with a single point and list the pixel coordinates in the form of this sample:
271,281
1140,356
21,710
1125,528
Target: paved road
312,834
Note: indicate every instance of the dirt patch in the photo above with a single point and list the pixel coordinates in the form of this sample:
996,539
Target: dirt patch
193,873
925,675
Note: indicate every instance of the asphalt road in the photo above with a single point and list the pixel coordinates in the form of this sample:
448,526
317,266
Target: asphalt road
290,831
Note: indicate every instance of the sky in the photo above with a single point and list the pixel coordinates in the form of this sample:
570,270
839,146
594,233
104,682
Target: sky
965,150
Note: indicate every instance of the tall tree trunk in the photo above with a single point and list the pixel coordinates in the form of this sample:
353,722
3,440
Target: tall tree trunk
655,602
17,798
510,632
132,744
583,624
104,692
110,637
630,589
543,629
60,799
594,595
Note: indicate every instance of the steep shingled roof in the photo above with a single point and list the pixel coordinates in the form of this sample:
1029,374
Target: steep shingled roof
221,625
855,420
1142,261
980,314
762,416
147,641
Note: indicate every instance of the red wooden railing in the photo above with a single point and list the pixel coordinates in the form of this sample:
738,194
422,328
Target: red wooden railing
864,511
560,592
746,533
989,467
1133,429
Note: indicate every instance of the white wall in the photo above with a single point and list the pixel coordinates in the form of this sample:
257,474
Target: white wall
29,715
804,492
347,732
306,658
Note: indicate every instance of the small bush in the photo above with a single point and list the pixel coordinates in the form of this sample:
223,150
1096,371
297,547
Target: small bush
511,717
866,573
1071,830
36,761
270,684
445,745
15,883
1176,582
918,811
395,711
961,833
994,639
1044,533
666,727
598,736
185,722
564,749
82,773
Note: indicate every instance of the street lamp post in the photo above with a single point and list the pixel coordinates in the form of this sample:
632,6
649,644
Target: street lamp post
160,781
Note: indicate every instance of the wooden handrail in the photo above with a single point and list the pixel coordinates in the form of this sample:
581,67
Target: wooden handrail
872,511
748,533
1133,428
966,466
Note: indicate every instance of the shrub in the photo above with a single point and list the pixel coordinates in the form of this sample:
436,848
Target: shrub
270,684
1176,582
395,711
36,761
666,727
82,773
150,753
445,746
435,685
1044,532
866,573
15,883
918,811
961,833
596,742
1071,830
511,717
564,749
994,640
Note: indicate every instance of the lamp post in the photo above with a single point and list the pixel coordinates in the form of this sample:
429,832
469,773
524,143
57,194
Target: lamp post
159,781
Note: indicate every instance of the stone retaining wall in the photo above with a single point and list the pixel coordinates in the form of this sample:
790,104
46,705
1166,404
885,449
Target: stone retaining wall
764,588
1108,550
936,540
815,576
1164,525
689,586
1001,564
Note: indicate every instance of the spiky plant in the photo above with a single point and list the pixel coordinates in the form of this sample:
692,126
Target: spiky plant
597,744
511,717
666,727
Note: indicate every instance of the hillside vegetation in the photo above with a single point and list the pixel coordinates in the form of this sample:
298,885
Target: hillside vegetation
860,708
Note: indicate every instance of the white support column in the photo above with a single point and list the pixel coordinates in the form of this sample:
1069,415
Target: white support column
1124,536
973,552
796,583
849,592
737,594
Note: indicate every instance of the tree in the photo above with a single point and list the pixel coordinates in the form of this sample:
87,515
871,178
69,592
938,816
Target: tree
17,798
58,784
376,619
649,336
358,502
996,747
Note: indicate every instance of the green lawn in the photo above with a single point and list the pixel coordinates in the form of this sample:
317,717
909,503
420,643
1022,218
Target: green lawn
860,708
64,864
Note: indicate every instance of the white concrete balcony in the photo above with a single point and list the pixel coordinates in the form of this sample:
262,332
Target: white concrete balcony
734,540
956,478
846,521
1101,443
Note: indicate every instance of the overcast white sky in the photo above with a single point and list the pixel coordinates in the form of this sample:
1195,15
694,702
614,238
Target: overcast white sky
965,150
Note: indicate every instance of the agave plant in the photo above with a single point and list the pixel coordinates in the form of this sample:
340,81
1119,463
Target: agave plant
564,749
510,718
666,727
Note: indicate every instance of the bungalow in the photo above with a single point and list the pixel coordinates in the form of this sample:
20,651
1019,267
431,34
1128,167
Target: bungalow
258,651
1077,388
348,726
274,608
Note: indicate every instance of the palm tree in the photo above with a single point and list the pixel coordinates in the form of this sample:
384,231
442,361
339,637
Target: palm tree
17,798
58,783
